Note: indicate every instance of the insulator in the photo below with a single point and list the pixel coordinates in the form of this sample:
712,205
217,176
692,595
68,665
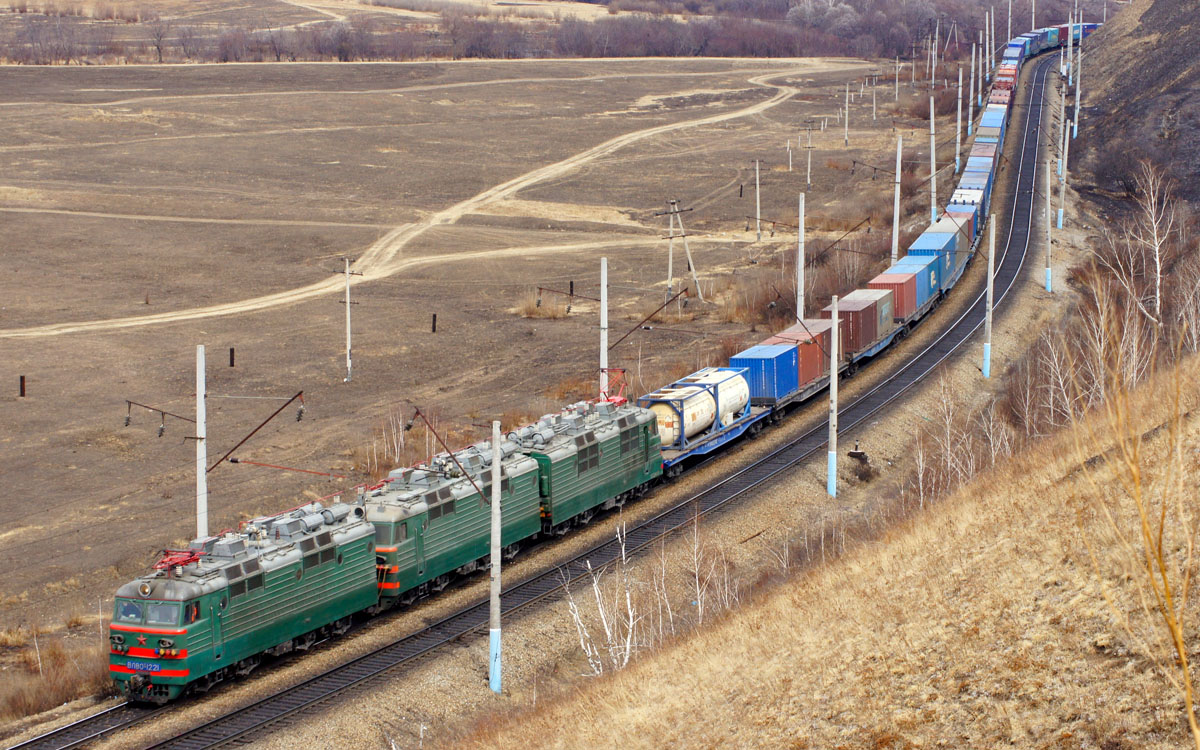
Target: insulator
538,303
568,308
127,420
161,429
300,413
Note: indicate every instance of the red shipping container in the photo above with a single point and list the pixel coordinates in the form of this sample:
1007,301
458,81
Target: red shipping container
1001,97
984,149
813,341
1005,83
904,292
859,319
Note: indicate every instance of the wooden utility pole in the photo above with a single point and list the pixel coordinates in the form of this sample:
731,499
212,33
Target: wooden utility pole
896,203
494,660
757,206
201,447
800,265
991,279
834,361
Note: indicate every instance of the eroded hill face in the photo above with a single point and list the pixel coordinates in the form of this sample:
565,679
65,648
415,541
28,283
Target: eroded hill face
1143,70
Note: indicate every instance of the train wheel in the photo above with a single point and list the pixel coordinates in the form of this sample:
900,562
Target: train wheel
440,583
671,472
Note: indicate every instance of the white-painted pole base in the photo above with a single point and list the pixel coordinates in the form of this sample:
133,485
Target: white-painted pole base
1075,128
1060,218
1049,287
1060,166
987,360
831,482
494,660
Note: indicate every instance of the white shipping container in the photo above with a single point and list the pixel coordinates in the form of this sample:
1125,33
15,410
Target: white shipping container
695,402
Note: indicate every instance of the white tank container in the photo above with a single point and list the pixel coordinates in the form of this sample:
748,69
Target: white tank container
696,402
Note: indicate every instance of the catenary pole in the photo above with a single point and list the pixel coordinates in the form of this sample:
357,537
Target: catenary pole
958,127
932,162
834,361
896,203
971,98
800,264
604,328
897,77
348,364
494,660
1062,203
1062,121
1009,34
201,448
1078,83
991,278
1049,286
846,120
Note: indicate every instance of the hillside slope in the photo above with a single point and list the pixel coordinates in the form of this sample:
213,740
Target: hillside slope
981,623
1141,81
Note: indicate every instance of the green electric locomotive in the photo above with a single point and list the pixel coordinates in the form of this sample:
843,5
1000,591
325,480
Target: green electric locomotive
214,610
431,522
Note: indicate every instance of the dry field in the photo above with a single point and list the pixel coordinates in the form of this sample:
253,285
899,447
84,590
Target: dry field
148,209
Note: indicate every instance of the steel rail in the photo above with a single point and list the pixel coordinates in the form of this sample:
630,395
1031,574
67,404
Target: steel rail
91,728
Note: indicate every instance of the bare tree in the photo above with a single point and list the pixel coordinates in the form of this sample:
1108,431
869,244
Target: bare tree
159,30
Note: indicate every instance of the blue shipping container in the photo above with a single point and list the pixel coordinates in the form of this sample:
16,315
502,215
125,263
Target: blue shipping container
772,371
979,164
938,244
925,268
992,119
987,139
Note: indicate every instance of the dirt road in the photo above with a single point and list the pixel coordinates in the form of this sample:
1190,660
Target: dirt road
382,259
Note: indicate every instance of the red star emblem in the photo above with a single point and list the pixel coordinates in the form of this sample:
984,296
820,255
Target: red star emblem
141,640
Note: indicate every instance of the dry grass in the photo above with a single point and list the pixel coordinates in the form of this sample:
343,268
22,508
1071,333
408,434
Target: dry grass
572,389
979,623
14,637
532,306
51,675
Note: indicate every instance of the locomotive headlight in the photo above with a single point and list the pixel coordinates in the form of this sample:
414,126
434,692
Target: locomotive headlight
166,643
117,638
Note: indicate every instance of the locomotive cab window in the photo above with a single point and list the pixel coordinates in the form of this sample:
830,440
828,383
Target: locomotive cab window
128,611
383,534
159,613
402,531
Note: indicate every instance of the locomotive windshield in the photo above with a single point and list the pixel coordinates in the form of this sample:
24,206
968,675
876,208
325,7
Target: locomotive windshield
151,613
159,613
128,611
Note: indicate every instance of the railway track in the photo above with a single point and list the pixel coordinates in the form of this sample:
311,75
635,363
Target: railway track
80,733
272,712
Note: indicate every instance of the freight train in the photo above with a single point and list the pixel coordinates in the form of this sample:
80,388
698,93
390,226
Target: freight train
281,582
